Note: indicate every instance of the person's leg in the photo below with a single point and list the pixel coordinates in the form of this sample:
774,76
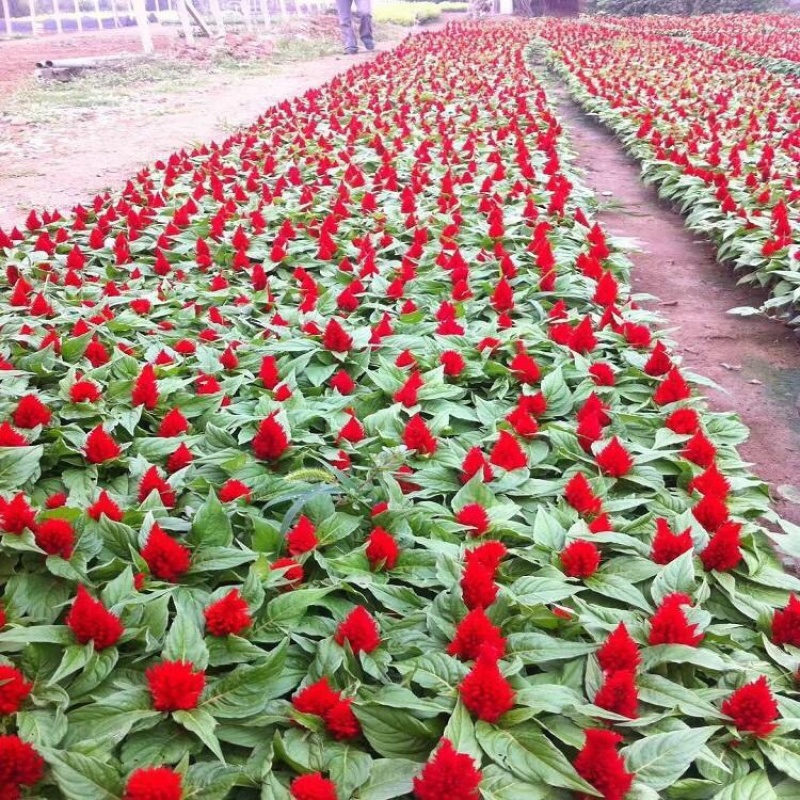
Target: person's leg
346,22
364,8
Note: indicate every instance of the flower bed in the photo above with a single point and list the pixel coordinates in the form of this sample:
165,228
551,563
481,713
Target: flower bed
337,463
715,132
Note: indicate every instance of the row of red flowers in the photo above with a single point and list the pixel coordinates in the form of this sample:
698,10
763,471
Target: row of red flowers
336,462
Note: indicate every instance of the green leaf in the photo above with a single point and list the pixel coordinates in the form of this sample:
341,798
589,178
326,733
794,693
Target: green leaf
211,525
677,576
532,591
531,756
536,648
210,781
393,733
246,690
184,642
349,768
18,465
49,634
499,784
661,759
202,725
460,731
783,753
755,786
390,778
81,777
288,609
43,728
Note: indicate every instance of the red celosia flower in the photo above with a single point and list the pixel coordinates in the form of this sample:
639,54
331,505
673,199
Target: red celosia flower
578,493
507,453
352,431
659,362
722,552
525,368
752,708
614,459
406,395
152,482
166,558
316,698
485,692
700,450
417,436
56,537
268,373
30,412
619,652
105,505
710,512
3,620
453,363
359,630
475,632
175,685
523,423
341,722
672,389
91,621
477,586
475,463
180,458
602,374
312,787
488,555
84,391
683,420
342,382
618,694
669,624
474,517
17,514
302,537
667,546
100,446
227,616
382,550
293,572
173,424
154,783
14,689
58,500
145,389
271,441
11,438
20,765
712,481
336,338
233,490
786,624
448,776
580,559
600,764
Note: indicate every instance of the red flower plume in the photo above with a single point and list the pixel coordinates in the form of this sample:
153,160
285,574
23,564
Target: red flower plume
599,763
752,708
360,630
485,692
91,621
271,440
448,775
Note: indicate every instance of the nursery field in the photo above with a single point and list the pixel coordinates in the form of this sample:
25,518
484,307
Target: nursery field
337,461
714,121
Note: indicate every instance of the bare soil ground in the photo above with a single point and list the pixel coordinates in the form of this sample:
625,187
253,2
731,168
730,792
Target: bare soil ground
754,361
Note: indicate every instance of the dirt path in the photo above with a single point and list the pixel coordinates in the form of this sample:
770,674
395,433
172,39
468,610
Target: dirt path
695,292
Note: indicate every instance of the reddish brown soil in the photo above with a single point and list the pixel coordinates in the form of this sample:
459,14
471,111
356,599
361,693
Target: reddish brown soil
755,361
18,57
